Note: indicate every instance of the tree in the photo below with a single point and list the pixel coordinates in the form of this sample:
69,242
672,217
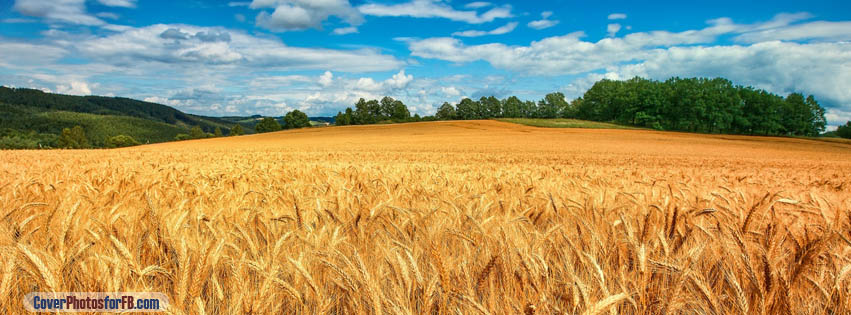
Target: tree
74,138
466,109
296,119
66,140
121,141
491,107
512,107
181,137
268,124
237,130
197,133
445,112
387,108
844,131
553,105
217,132
399,111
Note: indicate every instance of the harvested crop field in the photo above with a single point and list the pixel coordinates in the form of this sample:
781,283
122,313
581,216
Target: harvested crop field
440,218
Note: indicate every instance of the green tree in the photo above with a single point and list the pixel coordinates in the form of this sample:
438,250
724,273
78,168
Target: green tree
74,138
466,109
217,132
512,107
268,124
386,108
237,130
445,112
66,140
844,131
197,133
181,137
296,119
399,111
121,141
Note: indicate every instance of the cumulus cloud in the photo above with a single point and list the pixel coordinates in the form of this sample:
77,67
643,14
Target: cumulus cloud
507,28
450,91
64,11
617,16
192,45
74,88
326,79
544,22
399,80
435,9
290,15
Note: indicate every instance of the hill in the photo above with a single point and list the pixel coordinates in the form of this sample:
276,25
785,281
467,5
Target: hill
32,119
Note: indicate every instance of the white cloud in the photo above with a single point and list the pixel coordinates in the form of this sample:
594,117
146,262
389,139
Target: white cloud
326,79
544,22
64,11
617,16
819,30
613,29
477,5
434,9
399,80
507,28
17,21
192,45
345,30
108,15
303,14
239,3
450,91
118,3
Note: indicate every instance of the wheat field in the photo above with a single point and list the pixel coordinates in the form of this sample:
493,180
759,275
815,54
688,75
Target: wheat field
438,218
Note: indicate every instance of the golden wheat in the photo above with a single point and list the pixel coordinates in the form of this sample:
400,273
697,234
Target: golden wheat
438,218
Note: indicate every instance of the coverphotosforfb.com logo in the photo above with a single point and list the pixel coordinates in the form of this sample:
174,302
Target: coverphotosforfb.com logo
95,302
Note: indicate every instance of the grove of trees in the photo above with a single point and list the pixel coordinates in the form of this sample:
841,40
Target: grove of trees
844,131
691,104
373,111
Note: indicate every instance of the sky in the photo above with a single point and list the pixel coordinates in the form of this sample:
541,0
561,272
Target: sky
268,57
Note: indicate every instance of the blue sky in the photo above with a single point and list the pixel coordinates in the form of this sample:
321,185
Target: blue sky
271,56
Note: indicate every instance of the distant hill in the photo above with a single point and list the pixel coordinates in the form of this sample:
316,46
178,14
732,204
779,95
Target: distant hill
32,119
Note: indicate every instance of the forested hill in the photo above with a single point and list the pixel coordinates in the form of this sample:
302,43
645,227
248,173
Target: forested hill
35,119
102,105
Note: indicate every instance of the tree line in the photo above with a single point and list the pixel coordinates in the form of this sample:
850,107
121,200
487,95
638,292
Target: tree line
679,104
387,110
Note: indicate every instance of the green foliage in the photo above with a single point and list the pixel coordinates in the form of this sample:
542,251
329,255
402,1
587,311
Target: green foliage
99,105
38,119
121,141
217,132
296,119
844,131
388,110
182,136
446,112
15,139
237,130
197,133
73,138
268,124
